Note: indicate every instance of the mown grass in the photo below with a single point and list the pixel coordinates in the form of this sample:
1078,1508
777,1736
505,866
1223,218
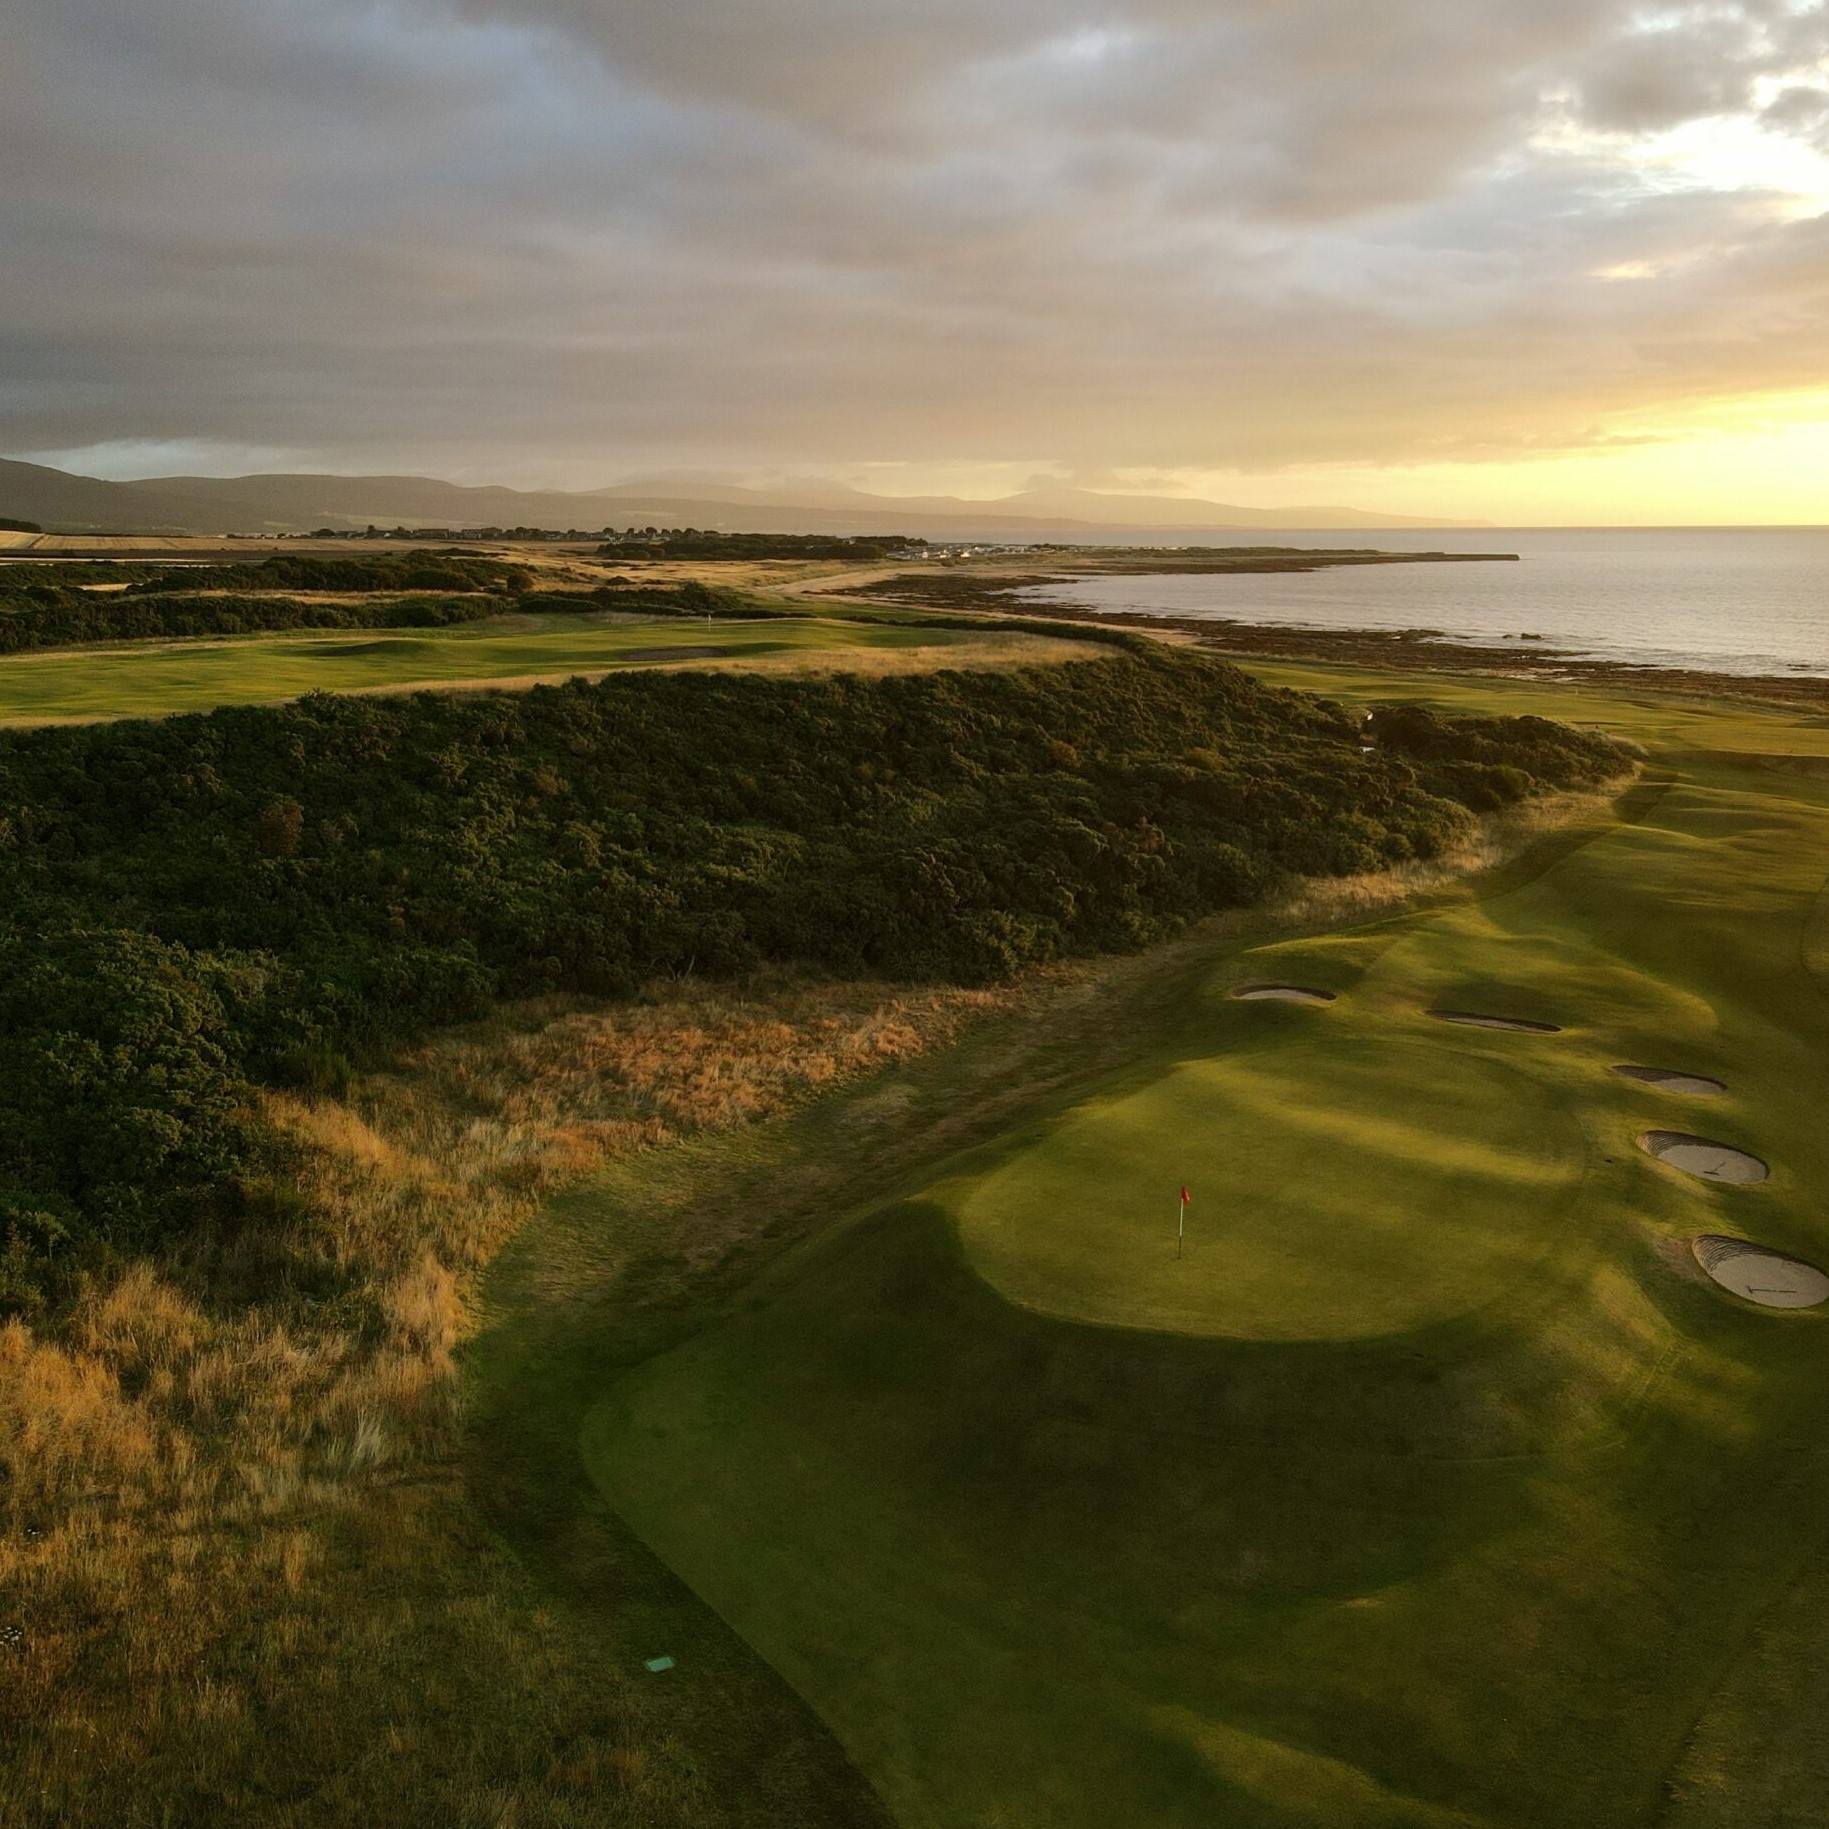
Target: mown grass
1435,1486
1310,1182
152,679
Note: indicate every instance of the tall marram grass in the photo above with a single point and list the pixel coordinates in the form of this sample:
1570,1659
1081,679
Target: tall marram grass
239,1576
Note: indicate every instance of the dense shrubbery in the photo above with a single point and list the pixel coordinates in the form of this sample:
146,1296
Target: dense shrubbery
50,615
692,598
57,619
119,1110
19,575
406,571
265,892
1485,762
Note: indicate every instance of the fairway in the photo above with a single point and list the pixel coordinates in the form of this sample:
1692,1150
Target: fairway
153,679
1438,1484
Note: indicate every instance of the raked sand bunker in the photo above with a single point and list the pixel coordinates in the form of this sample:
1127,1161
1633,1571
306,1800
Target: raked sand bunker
1759,1274
1703,1156
1470,1019
1667,1079
1280,993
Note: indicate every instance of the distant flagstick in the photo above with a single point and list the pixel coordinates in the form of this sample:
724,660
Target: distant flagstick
1181,1219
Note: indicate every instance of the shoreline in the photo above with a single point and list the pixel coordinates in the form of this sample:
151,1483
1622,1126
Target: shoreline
1419,650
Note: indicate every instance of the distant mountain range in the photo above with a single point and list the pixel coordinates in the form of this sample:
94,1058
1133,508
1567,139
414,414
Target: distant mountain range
64,503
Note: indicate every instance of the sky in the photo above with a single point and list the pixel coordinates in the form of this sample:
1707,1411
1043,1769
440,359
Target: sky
1523,260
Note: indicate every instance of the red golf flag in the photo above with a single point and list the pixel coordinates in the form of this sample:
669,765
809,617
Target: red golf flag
1185,1197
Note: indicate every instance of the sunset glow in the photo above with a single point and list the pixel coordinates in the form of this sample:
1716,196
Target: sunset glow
1529,263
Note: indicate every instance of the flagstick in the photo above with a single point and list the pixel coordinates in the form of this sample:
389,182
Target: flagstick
1181,1225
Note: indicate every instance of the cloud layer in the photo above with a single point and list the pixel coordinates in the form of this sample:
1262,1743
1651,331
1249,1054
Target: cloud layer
560,239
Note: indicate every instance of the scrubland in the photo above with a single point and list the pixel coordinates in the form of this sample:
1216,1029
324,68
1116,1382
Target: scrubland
244,1578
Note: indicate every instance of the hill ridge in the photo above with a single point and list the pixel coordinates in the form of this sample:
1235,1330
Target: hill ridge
301,502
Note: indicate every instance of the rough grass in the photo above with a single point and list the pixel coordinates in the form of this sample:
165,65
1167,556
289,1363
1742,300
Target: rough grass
242,1577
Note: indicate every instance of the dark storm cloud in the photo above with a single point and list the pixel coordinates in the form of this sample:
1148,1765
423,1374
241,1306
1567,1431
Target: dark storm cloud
1705,61
565,237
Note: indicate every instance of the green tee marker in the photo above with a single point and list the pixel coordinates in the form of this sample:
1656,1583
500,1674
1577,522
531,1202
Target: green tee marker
657,1665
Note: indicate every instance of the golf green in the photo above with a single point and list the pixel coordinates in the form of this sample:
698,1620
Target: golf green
1325,1210
1434,1484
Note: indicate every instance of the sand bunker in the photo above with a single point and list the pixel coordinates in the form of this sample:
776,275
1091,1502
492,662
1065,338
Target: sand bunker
672,654
1666,1079
1280,993
1496,1022
1767,1277
1701,1156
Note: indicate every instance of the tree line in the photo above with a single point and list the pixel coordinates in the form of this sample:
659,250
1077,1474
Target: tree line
49,615
407,571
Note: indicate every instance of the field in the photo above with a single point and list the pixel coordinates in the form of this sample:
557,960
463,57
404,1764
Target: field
152,679
1431,1485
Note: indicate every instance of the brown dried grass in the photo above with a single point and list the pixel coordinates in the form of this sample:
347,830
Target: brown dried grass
1332,901
989,653
239,1576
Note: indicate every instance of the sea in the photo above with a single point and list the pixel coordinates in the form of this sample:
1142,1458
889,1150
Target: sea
1718,599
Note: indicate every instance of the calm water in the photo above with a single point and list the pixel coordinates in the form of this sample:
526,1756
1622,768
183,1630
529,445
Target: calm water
1731,600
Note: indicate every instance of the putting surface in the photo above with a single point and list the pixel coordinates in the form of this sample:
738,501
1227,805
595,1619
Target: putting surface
1437,1485
1324,1210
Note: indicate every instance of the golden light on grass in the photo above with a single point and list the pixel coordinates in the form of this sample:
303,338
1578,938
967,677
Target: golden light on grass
221,1517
